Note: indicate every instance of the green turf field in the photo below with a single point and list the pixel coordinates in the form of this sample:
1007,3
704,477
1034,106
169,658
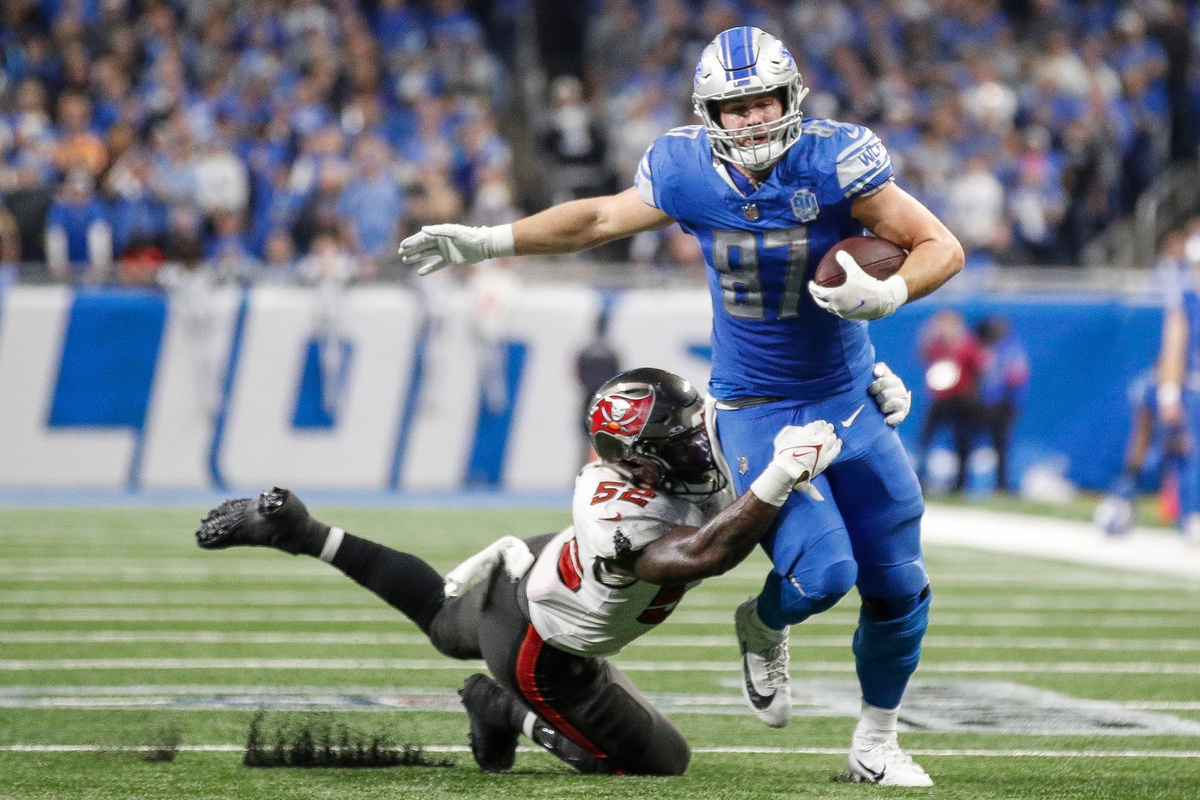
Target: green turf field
1039,679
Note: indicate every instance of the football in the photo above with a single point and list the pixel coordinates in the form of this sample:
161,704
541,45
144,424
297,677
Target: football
879,258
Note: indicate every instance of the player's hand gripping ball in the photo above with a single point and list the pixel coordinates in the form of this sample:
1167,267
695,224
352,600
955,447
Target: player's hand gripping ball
856,278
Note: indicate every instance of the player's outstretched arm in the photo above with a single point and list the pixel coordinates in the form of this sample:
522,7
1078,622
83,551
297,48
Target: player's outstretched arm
934,253
564,228
685,554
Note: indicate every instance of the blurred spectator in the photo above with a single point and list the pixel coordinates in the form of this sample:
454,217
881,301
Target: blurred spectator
279,258
321,210
1037,203
220,178
373,204
228,249
79,237
218,98
1002,386
954,360
138,213
79,148
974,204
575,145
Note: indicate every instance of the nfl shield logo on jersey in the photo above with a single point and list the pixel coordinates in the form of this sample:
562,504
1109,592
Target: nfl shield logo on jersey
804,205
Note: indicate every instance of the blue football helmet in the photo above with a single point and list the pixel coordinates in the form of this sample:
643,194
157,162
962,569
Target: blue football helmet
748,61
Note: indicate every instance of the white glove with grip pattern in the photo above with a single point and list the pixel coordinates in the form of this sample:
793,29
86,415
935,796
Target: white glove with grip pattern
801,454
437,246
861,296
891,395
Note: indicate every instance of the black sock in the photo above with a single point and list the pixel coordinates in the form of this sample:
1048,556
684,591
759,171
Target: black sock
404,581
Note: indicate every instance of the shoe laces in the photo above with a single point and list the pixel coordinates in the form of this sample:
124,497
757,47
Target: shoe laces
775,665
890,751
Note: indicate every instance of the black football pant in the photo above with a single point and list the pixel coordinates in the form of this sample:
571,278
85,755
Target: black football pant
610,725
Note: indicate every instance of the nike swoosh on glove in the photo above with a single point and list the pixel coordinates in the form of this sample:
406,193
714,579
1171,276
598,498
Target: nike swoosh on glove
861,296
437,246
801,454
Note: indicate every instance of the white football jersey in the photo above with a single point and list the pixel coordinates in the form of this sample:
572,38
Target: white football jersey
575,602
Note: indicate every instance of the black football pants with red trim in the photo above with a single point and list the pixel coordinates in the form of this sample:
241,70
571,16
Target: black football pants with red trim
589,713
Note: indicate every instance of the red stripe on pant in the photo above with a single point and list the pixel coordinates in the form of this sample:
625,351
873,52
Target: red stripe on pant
527,658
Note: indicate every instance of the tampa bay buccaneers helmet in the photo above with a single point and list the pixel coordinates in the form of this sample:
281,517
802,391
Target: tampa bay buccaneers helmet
652,418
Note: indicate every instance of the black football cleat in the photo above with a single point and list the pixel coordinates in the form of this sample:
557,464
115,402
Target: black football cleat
493,736
276,519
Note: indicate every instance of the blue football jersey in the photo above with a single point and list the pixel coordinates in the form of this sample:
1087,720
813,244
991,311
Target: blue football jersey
1184,294
769,338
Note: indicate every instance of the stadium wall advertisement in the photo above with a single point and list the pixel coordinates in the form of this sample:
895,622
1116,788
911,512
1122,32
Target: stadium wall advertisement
385,389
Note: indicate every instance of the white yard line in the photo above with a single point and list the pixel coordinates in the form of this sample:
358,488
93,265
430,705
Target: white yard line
1067,540
723,642
836,618
782,751
1083,668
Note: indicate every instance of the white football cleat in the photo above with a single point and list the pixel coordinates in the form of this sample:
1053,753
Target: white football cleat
876,758
765,682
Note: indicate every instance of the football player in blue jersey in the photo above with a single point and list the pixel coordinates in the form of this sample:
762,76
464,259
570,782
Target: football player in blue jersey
767,193
1178,394
1150,444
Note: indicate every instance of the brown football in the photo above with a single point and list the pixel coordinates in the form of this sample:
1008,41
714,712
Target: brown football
879,258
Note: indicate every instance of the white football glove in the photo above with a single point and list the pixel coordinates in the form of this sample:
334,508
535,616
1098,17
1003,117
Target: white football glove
861,296
441,245
801,454
891,395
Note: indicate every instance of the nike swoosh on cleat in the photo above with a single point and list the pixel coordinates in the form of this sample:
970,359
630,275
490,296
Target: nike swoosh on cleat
861,303
848,421
759,701
875,776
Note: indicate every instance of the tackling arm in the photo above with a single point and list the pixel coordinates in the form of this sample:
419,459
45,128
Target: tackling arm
685,554
934,253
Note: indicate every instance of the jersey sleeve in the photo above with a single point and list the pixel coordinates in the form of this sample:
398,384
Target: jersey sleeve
863,163
643,181
613,517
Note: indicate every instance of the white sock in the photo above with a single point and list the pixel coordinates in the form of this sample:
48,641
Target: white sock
527,725
760,636
332,542
880,722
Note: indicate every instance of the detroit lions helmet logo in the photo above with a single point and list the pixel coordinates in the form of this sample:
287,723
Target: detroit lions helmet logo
621,415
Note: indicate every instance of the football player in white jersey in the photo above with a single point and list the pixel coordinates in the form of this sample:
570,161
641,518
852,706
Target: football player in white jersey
651,519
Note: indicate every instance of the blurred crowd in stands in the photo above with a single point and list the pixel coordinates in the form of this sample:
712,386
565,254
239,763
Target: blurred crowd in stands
280,137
